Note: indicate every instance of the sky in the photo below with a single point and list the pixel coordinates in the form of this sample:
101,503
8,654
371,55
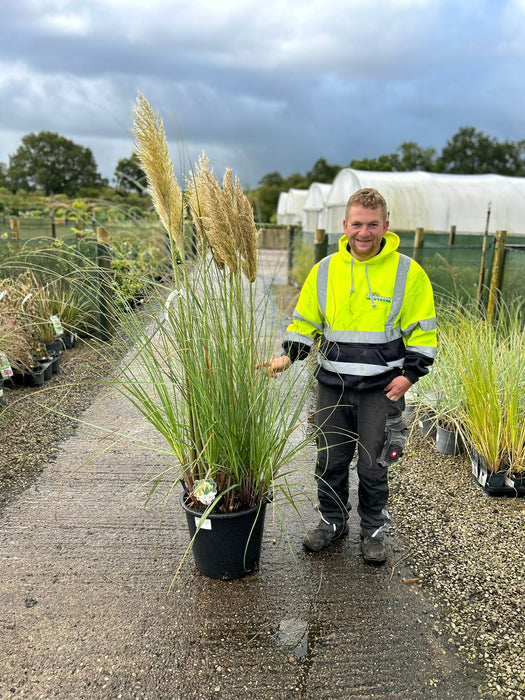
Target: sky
261,86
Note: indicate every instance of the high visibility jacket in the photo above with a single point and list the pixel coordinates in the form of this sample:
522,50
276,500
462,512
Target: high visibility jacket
374,319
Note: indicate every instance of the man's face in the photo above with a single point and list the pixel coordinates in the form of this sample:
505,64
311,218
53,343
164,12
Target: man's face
364,229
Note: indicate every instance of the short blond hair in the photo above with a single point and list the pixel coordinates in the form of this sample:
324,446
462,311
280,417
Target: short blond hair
369,198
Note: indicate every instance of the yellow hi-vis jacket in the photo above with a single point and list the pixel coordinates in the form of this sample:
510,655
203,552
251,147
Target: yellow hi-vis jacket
375,319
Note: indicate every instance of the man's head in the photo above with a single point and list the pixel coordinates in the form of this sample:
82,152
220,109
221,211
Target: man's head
365,223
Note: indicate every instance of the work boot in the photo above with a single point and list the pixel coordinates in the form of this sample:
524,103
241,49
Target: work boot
373,549
324,534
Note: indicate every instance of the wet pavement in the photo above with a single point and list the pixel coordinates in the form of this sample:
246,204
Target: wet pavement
89,607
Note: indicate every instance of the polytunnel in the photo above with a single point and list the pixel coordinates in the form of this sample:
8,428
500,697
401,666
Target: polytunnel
435,201
314,209
281,208
294,207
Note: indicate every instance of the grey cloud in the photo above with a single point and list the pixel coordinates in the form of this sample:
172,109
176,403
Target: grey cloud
263,88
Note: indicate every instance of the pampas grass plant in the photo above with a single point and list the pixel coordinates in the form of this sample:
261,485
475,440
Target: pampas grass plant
193,373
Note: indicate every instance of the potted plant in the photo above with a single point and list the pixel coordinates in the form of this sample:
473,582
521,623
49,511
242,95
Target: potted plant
485,367
75,309
23,349
194,371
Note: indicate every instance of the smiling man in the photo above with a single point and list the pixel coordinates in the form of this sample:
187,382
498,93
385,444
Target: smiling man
371,311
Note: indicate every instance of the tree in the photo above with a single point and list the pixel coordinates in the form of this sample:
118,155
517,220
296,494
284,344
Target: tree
414,157
384,163
274,179
265,197
322,171
52,163
3,175
129,174
472,151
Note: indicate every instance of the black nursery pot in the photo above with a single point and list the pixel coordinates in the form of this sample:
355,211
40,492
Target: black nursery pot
228,545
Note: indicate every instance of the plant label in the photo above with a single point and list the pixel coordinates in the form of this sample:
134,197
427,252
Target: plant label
5,368
206,524
57,325
482,478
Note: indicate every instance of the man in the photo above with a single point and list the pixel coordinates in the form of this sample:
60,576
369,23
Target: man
371,311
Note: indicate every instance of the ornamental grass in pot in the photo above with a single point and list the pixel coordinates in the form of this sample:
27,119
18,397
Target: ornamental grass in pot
481,368
193,373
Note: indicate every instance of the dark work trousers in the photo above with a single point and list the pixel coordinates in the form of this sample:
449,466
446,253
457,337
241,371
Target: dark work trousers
348,419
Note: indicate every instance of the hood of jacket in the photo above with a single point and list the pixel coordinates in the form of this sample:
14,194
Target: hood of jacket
391,244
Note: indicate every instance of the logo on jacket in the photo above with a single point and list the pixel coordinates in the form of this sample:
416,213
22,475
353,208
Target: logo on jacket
379,297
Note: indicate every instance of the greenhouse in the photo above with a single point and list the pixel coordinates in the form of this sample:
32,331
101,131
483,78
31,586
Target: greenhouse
314,209
281,208
435,201
290,207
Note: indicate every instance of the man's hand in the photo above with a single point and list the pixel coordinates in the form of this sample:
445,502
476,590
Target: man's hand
397,388
275,365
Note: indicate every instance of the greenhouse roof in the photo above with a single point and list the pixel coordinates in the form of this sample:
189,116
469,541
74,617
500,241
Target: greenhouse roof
292,208
435,201
314,210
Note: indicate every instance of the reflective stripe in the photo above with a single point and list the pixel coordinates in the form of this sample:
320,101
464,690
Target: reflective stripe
293,337
358,369
426,350
427,324
322,283
403,267
363,336
298,317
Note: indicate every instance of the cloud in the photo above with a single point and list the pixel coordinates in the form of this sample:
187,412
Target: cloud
262,87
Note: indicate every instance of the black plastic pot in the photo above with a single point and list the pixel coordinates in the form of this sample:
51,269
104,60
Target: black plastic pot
69,340
54,348
36,376
493,483
55,363
48,369
227,545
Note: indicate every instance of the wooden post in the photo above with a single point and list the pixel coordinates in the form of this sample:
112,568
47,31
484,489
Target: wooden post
105,325
80,229
452,235
418,245
320,244
15,228
497,273
291,251
53,228
481,278
102,235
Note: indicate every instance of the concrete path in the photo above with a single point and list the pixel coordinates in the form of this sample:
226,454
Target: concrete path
85,611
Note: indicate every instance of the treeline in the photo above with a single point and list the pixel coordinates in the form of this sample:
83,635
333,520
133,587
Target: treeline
50,164
468,152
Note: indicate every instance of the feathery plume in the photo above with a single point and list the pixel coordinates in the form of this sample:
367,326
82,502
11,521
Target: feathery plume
224,218
156,162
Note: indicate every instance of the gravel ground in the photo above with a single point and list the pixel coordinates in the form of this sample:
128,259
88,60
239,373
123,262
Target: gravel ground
465,547
468,550
34,421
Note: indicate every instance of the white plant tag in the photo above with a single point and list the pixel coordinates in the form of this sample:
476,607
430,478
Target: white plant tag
206,525
57,325
5,368
509,482
482,478
474,467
